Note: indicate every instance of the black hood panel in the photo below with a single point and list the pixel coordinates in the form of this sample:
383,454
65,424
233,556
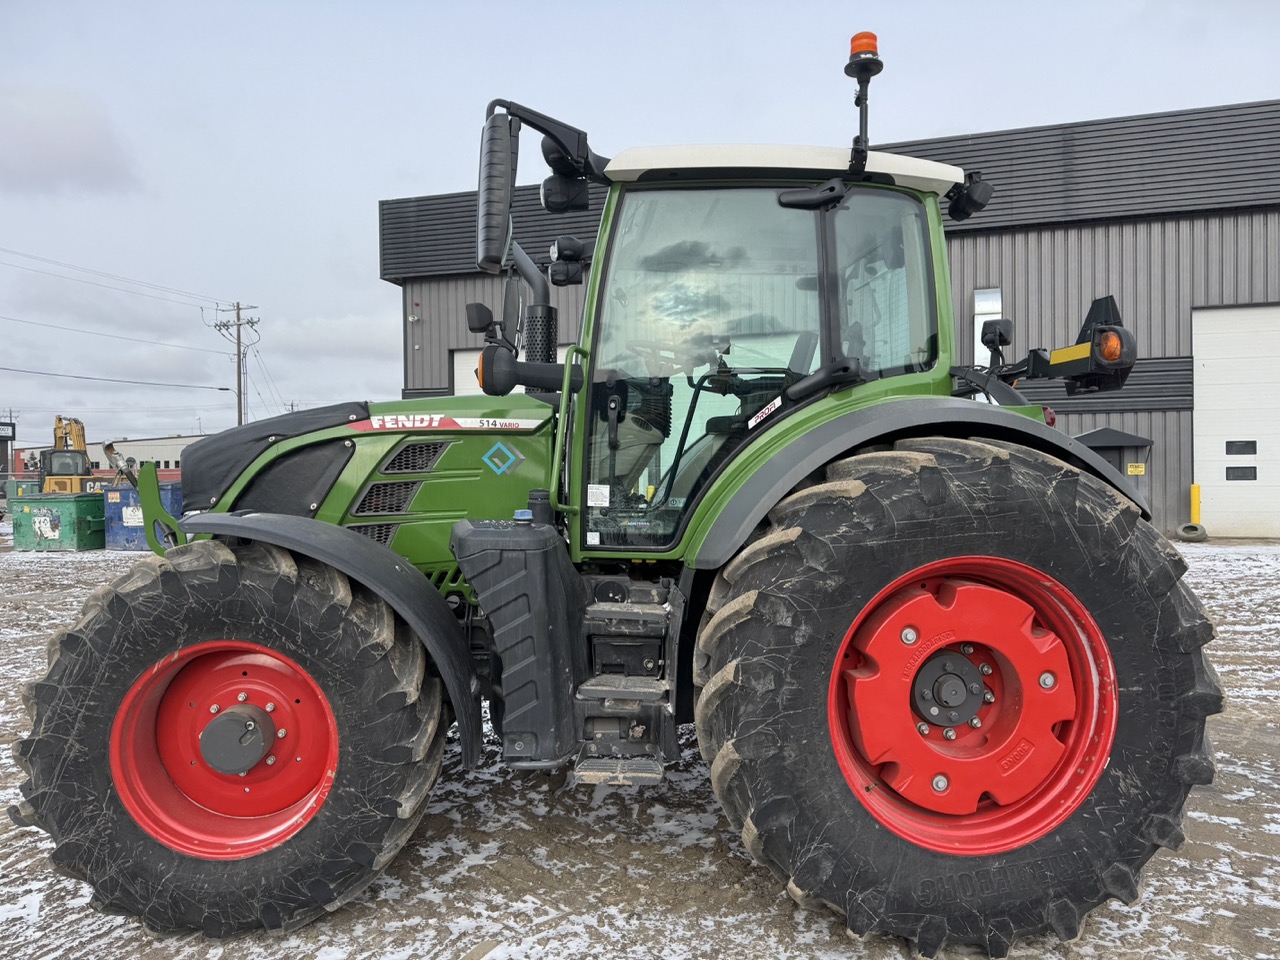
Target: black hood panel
210,466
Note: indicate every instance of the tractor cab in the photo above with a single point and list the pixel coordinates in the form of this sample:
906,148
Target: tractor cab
736,284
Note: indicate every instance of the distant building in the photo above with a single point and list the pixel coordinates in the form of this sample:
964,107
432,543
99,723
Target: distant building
1175,214
165,452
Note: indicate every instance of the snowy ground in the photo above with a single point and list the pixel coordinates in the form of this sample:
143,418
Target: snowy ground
513,866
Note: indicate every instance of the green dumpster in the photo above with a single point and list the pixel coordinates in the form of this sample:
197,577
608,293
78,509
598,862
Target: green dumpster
59,522
21,488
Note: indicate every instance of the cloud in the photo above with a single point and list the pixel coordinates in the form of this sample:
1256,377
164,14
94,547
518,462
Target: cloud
55,140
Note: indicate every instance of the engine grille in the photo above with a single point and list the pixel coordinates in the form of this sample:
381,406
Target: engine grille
391,496
415,458
377,532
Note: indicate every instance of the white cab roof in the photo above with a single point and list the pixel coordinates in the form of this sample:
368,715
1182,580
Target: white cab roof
911,172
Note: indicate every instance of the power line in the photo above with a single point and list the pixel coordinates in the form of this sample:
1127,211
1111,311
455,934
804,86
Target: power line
113,336
212,405
94,283
271,381
113,276
145,383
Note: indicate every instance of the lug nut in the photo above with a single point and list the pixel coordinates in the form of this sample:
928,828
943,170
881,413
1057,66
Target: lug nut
984,669
909,635
270,761
976,722
966,648
242,697
988,696
1047,680
923,729
948,734
975,688
940,783
215,708
280,733
271,708
926,694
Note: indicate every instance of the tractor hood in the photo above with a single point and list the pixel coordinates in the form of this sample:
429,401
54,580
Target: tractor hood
210,466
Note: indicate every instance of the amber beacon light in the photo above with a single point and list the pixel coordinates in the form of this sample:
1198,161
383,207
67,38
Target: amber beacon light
864,57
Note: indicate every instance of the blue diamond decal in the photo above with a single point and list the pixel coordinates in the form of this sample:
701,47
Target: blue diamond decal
503,459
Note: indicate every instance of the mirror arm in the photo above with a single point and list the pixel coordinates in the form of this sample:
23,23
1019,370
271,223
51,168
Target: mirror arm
531,275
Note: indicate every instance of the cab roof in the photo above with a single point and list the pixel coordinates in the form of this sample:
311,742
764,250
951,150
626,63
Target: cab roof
663,163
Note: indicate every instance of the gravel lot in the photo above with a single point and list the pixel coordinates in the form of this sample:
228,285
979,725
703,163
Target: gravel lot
517,866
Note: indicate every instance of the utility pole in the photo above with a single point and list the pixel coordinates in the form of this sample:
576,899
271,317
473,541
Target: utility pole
8,437
223,327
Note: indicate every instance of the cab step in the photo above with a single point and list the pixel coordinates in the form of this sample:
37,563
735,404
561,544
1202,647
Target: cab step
617,770
616,686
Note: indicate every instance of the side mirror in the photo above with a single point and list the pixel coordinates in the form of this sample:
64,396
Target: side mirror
479,318
499,149
997,333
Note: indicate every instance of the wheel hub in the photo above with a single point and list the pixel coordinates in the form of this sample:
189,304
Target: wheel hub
237,738
948,689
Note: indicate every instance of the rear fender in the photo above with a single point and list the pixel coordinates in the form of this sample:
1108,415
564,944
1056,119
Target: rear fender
722,534
390,576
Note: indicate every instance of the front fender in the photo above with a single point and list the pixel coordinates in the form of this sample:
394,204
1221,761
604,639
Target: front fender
725,530
391,577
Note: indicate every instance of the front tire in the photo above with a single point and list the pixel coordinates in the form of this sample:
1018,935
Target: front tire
230,738
956,693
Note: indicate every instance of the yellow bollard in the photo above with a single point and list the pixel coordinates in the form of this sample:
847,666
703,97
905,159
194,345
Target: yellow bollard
1195,503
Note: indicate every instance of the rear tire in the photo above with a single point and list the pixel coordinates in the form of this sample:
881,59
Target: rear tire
1013,590
341,718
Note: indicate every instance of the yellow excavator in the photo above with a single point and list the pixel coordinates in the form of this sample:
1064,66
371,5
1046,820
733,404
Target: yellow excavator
64,468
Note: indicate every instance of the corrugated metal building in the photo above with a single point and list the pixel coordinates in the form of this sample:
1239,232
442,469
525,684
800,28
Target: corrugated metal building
1175,214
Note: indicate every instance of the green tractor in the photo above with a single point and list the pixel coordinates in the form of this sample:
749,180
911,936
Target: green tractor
944,672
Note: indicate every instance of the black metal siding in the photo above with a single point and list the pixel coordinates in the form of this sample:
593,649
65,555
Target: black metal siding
436,236
1216,158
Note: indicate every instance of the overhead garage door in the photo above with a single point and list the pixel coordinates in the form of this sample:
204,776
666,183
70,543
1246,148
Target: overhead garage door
464,371
1237,419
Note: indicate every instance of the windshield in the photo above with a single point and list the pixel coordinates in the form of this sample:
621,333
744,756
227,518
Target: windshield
710,307
69,463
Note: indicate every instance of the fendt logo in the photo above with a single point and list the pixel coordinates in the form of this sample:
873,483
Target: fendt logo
444,422
417,421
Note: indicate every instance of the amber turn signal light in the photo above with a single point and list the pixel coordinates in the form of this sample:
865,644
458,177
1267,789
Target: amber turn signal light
1110,346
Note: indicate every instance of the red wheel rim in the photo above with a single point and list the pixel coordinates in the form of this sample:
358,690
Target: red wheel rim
1023,752
168,783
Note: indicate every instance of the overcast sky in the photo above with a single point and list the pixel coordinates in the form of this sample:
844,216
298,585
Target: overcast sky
237,151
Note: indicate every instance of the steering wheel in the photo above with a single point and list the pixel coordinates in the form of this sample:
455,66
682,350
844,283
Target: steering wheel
660,359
